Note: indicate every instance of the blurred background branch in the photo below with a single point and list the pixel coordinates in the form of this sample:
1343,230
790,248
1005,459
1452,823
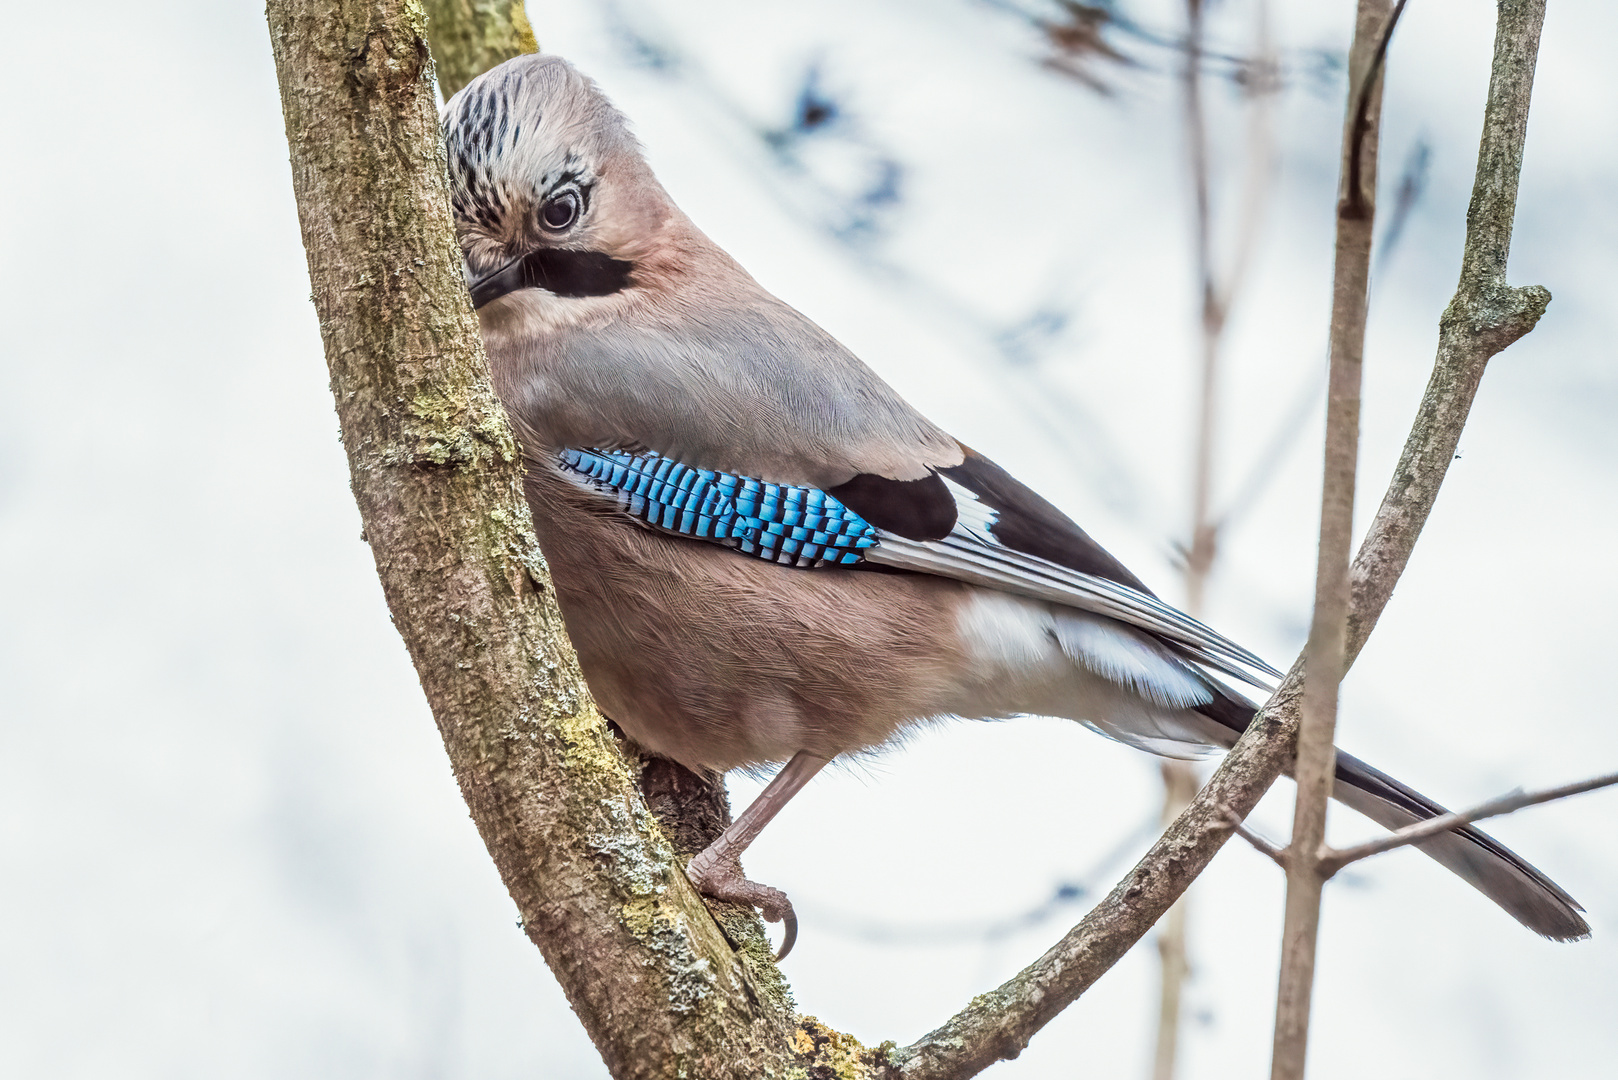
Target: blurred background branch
1217,290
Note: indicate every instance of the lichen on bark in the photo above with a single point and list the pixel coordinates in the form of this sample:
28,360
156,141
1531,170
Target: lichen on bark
471,36
600,890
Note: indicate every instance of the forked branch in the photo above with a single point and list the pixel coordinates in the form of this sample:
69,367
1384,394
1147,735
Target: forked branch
1266,847
1484,318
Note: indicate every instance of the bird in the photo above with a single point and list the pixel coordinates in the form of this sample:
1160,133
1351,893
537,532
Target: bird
761,552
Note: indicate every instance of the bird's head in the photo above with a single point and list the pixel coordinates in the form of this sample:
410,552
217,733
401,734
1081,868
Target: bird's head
554,204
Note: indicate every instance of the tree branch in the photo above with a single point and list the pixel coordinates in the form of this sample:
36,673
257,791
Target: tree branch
1485,316
1357,198
1334,859
999,1024
1270,850
1180,780
471,36
1217,293
438,480
1325,653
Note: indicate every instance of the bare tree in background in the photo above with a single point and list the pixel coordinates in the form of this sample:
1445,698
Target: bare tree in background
1217,290
665,983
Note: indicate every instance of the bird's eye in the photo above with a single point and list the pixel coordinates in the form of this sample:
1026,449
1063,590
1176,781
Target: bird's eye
560,211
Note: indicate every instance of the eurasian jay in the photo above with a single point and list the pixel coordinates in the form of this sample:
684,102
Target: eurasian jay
761,551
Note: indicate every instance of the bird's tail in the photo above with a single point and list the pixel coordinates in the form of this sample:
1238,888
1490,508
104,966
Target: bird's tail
1478,858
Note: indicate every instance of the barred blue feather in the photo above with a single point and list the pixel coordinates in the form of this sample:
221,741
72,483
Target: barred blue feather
792,526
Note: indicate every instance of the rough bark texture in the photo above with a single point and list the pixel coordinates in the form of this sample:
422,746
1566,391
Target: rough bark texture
471,36
438,481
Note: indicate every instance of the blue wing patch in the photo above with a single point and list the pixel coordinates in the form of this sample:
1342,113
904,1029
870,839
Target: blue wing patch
793,526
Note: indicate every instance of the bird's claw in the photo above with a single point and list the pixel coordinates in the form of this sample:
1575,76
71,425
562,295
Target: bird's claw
723,879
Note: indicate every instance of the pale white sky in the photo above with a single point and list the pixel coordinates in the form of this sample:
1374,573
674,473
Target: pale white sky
232,846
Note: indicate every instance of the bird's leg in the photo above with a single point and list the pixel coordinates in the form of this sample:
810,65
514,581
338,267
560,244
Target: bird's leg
717,870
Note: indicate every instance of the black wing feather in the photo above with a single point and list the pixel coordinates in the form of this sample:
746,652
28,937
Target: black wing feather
914,509
1026,522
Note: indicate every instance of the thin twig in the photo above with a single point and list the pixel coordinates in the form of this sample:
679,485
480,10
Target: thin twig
1180,780
1357,201
1325,653
1200,555
1485,317
1217,294
1334,859
1180,783
1276,853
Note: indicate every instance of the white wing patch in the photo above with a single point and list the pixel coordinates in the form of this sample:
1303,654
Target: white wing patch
972,515
1028,656
1128,658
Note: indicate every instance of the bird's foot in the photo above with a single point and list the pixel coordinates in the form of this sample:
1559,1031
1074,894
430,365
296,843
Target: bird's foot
722,879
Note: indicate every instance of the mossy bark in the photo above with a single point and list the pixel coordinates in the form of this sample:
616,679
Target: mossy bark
471,36
437,477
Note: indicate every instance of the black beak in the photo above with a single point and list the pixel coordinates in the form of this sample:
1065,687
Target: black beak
556,270
492,286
